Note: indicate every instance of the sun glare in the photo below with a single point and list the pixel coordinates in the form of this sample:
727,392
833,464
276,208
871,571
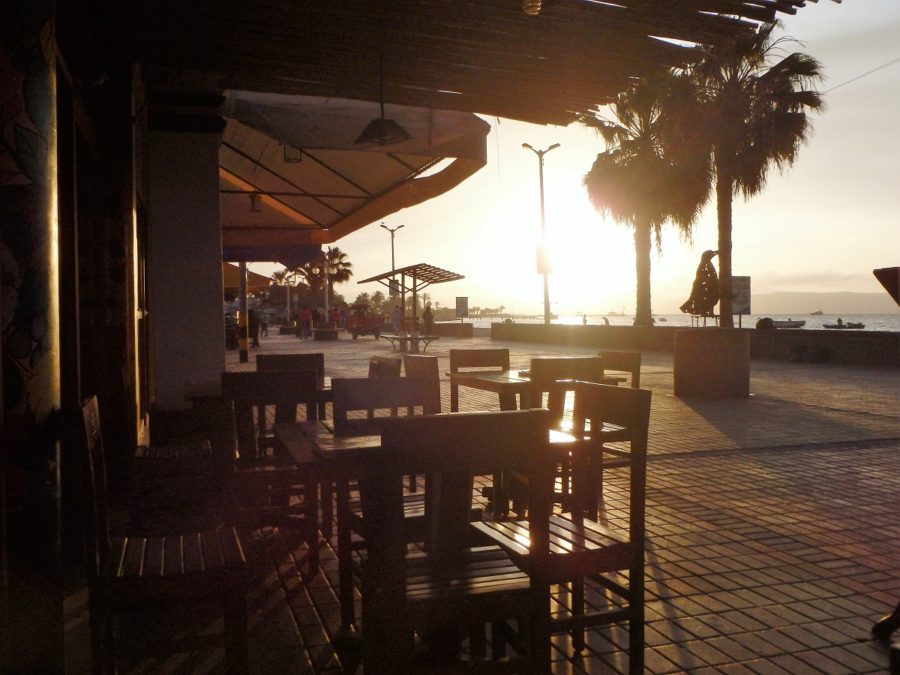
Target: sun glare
593,258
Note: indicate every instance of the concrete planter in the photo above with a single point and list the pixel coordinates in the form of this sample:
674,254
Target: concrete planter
711,363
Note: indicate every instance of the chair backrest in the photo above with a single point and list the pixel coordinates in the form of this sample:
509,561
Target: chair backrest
374,394
495,358
623,361
384,366
598,405
556,375
420,365
283,389
307,361
451,449
210,419
94,481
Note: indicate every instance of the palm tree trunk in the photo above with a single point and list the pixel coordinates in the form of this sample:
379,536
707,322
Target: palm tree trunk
642,315
723,208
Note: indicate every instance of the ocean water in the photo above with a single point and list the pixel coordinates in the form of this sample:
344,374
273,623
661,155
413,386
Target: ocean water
876,322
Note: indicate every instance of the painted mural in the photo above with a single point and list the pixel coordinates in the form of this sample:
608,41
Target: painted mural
28,269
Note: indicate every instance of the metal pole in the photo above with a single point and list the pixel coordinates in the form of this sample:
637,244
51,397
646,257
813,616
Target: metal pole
543,257
243,323
393,265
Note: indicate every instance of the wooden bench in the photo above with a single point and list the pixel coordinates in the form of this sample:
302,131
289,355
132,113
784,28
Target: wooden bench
410,343
325,330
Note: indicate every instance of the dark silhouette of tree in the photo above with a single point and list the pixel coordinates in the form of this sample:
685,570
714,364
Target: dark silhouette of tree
645,177
313,273
753,100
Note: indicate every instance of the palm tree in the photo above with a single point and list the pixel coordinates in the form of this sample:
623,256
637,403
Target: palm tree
643,179
314,273
340,269
284,277
754,102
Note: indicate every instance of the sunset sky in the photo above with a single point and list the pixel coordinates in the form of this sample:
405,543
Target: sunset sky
821,226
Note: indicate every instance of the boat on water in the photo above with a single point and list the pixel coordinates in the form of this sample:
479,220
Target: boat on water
788,323
840,325
767,323
818,312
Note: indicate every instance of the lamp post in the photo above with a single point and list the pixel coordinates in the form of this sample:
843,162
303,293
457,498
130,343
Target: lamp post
393,266
542,255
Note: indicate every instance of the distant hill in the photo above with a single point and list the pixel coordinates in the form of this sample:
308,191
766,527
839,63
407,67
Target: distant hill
829,303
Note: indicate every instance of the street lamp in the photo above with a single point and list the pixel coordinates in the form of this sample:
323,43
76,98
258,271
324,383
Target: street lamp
543,263
393,266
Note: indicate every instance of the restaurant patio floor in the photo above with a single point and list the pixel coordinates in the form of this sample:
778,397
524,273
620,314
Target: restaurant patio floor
773,528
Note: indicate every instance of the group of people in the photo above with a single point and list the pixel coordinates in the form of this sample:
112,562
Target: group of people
306,318
427,319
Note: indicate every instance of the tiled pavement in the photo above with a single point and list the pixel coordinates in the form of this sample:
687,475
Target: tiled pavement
773,525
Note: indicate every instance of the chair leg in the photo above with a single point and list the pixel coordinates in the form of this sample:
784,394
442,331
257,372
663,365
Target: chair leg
99,633
636,620
345,553
327,503
236,649
498,640
477,641
540,630
578,611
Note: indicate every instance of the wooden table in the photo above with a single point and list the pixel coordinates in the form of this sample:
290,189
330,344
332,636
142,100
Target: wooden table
331,459
507,384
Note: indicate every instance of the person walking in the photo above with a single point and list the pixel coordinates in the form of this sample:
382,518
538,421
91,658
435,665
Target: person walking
305,322
428,320
396,319
253,325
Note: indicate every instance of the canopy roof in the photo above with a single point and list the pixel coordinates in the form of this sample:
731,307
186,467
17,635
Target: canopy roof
231,278
422,275
483,56
313,184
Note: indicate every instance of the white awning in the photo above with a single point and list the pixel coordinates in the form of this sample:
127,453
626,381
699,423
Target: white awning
315,183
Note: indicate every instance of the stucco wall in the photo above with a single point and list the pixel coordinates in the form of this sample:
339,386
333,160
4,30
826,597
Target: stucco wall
185,270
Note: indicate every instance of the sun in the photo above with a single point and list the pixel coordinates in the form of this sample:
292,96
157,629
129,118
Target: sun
592,257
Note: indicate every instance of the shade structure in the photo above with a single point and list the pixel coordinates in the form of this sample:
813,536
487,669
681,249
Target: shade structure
292,175
484,56
414,278
231,279
889,277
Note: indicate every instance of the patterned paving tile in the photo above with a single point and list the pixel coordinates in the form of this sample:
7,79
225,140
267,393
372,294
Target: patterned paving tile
772,526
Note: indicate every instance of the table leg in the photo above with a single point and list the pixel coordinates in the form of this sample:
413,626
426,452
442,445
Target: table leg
345,554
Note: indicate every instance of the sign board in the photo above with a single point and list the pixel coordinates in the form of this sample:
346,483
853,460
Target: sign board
393,288
462,306
740,296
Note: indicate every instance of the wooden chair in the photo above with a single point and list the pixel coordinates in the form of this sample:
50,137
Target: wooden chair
623,361
418,365
583,548
179,477
453,586
384,366
270,491
555,377
475,359
378,398
125,573
305,361
252,392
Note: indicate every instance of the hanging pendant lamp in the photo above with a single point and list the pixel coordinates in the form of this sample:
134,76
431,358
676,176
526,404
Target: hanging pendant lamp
382,131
